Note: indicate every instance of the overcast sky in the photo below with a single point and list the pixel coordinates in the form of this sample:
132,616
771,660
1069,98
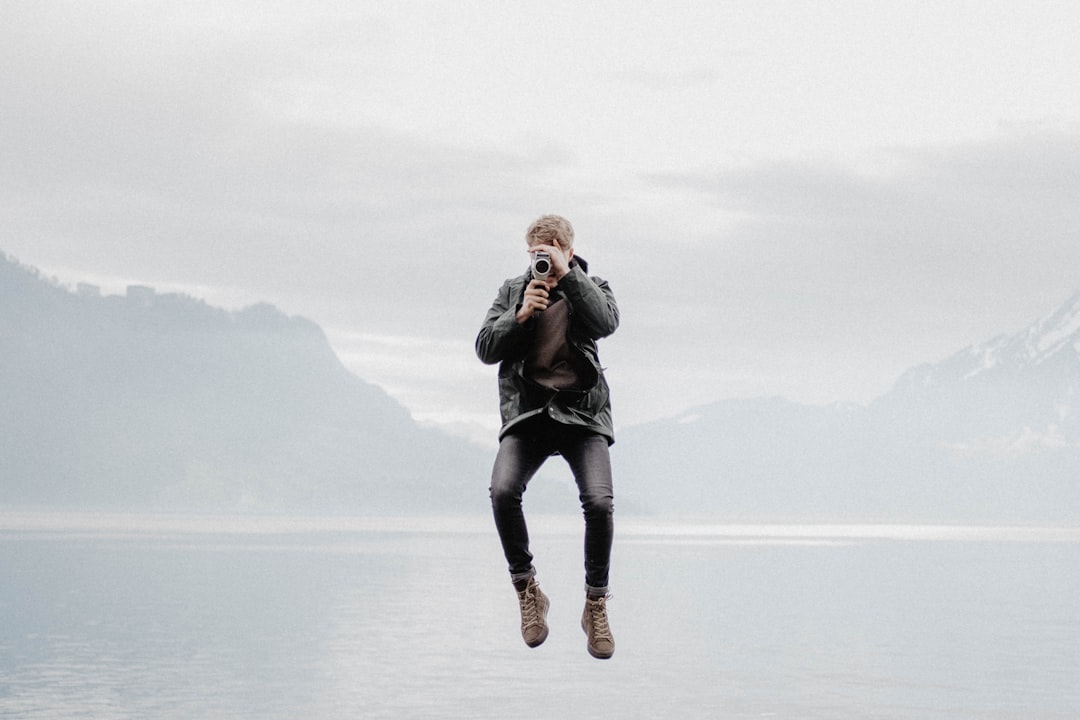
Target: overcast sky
788,198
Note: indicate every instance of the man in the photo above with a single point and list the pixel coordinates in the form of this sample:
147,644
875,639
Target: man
553,399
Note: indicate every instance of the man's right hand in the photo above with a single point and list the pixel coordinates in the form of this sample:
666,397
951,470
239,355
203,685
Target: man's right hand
535,300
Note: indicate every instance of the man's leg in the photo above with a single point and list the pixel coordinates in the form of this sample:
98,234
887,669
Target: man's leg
591,463
517,461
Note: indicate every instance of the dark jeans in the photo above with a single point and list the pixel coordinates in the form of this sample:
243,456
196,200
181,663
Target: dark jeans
519,458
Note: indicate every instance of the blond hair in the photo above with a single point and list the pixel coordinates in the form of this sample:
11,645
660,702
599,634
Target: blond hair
549,229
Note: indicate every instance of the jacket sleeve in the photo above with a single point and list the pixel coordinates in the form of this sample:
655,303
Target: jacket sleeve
501,336
593,303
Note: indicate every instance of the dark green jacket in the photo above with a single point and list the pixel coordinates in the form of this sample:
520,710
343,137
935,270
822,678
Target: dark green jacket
593,315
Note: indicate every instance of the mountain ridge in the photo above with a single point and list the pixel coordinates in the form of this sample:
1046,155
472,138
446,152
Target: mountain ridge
160,400
1041,341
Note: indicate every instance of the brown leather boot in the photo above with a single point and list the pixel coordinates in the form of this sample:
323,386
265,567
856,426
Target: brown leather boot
534,608
594,621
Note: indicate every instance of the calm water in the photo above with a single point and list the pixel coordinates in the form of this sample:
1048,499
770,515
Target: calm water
106,616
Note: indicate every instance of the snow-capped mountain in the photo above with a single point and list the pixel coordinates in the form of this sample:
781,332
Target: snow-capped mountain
1022,386
991,433
1053,339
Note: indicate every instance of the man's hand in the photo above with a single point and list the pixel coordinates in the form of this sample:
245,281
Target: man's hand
560,259
537,294
536,299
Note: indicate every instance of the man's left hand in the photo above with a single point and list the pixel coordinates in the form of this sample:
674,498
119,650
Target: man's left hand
560,259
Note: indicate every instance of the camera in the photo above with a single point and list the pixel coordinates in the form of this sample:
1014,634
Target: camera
541,265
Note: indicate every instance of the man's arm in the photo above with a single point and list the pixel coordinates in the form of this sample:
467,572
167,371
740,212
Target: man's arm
593,302
592,299
501,336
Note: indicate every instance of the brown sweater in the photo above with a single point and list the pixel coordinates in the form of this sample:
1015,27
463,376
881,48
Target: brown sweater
551,361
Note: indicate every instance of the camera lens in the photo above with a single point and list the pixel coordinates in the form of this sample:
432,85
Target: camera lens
542,266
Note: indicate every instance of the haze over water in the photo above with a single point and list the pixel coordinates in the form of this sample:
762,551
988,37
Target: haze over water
113,616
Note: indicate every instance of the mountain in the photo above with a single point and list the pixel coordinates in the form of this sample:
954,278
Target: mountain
990,434
1014,392
160,401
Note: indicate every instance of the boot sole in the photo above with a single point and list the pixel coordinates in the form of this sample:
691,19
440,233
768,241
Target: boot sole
539,641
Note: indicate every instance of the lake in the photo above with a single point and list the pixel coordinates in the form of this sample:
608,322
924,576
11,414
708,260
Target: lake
161,616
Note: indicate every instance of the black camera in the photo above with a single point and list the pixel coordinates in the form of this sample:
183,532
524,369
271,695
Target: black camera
541,265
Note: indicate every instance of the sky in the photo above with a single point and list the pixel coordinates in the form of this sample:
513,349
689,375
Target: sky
801,199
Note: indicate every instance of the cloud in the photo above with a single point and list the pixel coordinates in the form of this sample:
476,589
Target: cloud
373,167
981,223
842,277
176,149
663,80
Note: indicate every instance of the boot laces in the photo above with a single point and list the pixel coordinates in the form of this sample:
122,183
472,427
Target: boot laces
598,615
530,613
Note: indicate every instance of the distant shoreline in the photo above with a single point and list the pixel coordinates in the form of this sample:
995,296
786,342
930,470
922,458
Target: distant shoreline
135,525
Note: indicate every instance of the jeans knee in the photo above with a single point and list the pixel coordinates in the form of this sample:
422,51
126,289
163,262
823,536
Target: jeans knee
504,494
597,505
